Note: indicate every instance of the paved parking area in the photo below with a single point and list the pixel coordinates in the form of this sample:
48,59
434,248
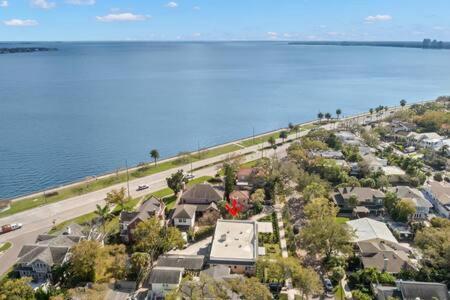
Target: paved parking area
199,248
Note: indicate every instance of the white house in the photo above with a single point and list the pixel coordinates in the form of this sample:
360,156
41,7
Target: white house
439,195
162,280
184,216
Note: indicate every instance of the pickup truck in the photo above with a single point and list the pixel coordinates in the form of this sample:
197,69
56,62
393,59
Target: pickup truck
10,227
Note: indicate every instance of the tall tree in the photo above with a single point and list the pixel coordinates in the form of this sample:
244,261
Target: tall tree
155,155
249,288
272,142
328,116
15,289
323,235
151,237
175,181
283,135
338,112
230,180
320,116
117,197
104,213
402,103
290,126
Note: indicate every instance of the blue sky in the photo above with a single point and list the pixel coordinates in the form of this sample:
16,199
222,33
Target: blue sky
73,20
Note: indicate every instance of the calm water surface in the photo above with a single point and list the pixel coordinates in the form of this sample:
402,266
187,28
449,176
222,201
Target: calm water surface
85,109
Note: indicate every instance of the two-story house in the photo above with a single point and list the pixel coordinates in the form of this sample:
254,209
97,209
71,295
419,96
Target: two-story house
439,195
153,207
421,204
347,198
36,260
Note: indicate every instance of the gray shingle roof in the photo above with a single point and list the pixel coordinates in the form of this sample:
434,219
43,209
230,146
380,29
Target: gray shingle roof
362,193
167,275
188,262
49,255
147,210
57,240
405,192
185,211
422,290
201,194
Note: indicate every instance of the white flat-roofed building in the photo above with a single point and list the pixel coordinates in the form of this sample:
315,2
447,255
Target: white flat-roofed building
235,244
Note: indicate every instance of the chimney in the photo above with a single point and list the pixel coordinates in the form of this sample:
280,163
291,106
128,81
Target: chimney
385,263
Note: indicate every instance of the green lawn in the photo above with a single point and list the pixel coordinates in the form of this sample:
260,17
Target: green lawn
94,185
272,250
83,219
342,220
5,246
339,293
259,140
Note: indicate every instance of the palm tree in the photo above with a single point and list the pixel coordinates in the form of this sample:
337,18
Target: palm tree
155,155
103,213
290,126
402,103
328,116
273,143
283,135
338,112
320,116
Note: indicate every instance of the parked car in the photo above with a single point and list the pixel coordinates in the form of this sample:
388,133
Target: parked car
328,285
189,176
142,187
10,227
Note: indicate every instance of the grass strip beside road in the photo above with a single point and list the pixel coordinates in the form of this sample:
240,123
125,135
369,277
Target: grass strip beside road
5,246
94,185
165,194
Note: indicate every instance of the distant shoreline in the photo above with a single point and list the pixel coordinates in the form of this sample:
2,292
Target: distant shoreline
25,50
426,44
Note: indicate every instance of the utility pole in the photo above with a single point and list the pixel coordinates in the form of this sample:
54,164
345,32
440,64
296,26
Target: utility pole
198,149
253,136
128,179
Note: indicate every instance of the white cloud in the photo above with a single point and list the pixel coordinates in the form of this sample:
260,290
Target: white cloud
81,2
20,22
44,4
196,8
172,4
438,28
121,17
272,34
378,18
4,3
196,34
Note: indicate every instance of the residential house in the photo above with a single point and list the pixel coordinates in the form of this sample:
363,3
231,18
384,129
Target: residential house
242,197
192,263
348,138
400,127
394,174
36,260
439,195
430,140
377,246
421,204
153,207
373,162
235,245
201,194
249,178
328,154
412,290
163,280
184,216
370,198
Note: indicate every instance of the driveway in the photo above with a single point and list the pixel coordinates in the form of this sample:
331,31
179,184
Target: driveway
198,248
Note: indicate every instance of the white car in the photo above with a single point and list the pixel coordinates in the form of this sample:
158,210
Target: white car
189,176
142,187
